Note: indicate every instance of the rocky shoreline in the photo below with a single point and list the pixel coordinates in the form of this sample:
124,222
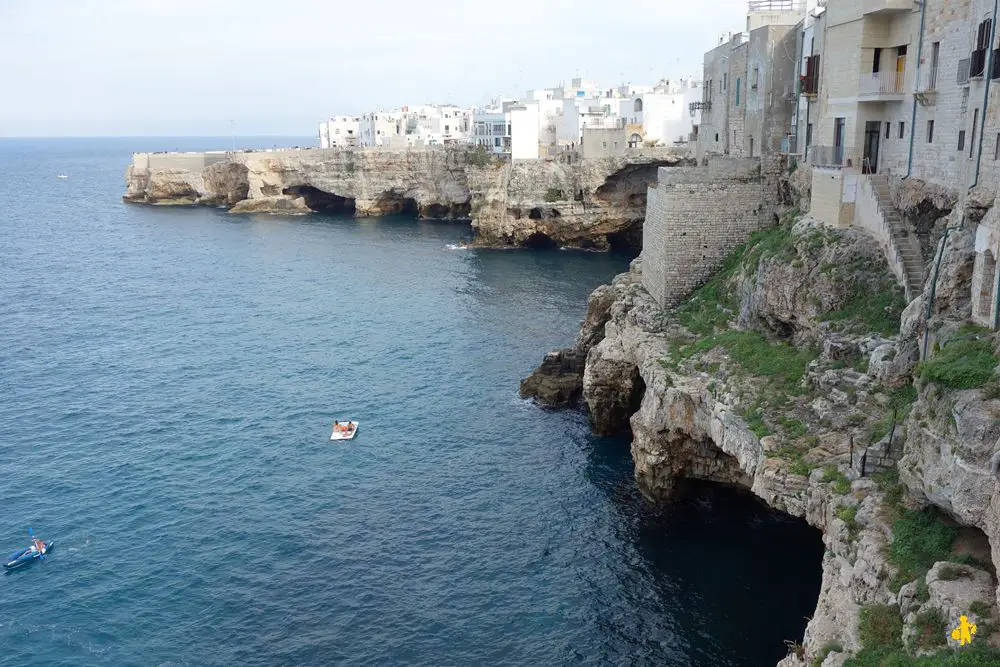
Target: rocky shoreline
595,204
753,383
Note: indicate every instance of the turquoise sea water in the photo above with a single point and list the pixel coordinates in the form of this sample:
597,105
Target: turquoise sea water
168,378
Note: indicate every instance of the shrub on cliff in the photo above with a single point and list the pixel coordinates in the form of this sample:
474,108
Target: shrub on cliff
962,364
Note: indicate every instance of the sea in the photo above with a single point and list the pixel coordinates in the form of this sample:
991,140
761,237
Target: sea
168,381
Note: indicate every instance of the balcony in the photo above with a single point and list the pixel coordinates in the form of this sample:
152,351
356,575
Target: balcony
881,86
834,157
789,145
699,106
871,7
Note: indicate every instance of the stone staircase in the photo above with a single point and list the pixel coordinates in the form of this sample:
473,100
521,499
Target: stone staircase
902,240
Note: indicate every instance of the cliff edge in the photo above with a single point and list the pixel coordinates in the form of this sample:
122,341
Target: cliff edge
795,373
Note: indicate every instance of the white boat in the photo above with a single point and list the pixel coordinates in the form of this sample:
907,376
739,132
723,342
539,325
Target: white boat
344,434
62,176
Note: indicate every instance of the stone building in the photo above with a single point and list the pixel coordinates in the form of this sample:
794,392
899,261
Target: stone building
902,90
748,100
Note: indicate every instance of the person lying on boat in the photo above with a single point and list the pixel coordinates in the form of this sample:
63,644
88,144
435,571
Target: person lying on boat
37,545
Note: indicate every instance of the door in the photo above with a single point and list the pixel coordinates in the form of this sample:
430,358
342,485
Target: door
838,141
872,134
900,67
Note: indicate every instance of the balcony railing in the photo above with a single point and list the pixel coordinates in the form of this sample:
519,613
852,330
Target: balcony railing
926,80
838,157
789,145
881,83
699,106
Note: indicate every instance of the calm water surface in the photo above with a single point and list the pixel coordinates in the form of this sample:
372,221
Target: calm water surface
167,382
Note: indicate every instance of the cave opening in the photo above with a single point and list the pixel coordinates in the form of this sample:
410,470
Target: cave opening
753,570
535,213
540,241
321,201
627,241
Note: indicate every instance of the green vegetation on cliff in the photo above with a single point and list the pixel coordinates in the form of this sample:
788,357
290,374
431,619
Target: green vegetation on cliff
963,364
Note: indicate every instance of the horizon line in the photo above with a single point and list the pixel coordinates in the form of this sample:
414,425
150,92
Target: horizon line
151,136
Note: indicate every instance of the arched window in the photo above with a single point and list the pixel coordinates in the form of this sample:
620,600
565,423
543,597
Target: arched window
638,106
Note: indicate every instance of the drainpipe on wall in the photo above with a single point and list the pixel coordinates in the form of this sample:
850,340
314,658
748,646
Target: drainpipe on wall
913,115
988,75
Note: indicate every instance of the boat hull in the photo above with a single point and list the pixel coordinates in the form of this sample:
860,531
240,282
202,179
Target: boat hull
26,556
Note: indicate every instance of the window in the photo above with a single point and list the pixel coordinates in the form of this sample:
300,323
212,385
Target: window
496,142
877,61
902,129
961,140
716,137
604,144
975,121
888,129
930,131
935,54
756,77
725,82
737,91
996,149
809,135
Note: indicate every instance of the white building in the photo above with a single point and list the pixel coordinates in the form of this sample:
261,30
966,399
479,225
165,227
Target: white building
339,132
524,131
376,129
664,113
491,130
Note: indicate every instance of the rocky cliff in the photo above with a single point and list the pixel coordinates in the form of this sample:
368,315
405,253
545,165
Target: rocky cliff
794,374
577,203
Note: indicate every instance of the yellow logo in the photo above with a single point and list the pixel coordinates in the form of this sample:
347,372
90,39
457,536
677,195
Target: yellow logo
964,632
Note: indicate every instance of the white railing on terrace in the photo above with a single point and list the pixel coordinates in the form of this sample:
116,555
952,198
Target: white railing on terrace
605,123
833,156
926,79
881,83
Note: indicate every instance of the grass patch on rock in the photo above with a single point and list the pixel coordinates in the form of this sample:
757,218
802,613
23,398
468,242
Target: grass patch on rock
962,364
919,539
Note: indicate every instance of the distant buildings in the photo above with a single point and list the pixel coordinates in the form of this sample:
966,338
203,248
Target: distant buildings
544,124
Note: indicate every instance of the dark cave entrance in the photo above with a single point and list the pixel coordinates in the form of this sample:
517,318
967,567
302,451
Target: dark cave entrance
746,574
320,201
627,242
408,206
540,241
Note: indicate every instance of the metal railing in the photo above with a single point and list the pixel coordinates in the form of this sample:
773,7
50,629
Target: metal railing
926,79
604,124
881,83
790,145
834,156
776,6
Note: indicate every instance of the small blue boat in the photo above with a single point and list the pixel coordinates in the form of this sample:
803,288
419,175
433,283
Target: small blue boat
27,555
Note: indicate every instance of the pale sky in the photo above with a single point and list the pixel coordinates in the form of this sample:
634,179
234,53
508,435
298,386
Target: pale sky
189,67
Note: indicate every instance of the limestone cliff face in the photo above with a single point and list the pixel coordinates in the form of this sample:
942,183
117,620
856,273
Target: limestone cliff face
588,203
698,390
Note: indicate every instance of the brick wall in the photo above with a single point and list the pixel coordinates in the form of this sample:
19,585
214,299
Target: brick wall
695,216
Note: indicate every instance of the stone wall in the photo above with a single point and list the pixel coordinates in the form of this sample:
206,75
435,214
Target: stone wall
695,217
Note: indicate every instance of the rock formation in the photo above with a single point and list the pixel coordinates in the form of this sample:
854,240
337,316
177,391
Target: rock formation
586,203
782,376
